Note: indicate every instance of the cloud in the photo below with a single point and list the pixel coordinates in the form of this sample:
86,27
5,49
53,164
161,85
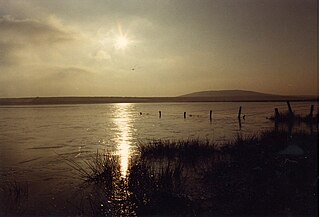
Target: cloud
47,81
7,53
68,73
25,40
32,31
101,55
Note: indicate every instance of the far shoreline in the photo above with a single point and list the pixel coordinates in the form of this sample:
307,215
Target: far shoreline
104,100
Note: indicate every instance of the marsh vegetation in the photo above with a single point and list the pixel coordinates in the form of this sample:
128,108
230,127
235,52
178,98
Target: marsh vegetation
271,174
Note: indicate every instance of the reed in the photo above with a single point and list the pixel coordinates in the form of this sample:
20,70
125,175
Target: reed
159,190
188,150
14,197
99,168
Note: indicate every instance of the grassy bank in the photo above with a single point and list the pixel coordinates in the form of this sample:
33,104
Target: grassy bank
271,174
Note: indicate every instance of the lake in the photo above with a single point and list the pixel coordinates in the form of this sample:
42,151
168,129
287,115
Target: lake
36,140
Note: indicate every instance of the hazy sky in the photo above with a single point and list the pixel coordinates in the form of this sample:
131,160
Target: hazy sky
157,47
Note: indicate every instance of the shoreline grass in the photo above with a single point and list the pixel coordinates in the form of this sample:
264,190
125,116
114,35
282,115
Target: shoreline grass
256,175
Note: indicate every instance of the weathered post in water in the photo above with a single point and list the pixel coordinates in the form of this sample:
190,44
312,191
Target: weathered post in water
159,114
311,112
290,109
210,115
239,113
184,115
276,114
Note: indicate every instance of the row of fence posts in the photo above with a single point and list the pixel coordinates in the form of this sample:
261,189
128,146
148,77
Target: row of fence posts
185,115
210,114
276,113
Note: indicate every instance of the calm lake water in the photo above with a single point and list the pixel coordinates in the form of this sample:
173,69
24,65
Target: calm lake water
35,139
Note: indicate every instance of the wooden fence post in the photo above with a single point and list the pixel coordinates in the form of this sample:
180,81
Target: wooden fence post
276,114
311,112
239,113
289,108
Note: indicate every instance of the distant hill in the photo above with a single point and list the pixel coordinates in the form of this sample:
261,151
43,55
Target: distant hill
228,93
242,95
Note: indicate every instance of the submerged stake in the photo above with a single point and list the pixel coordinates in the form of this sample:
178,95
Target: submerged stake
276,114
290,109
239,113
311,111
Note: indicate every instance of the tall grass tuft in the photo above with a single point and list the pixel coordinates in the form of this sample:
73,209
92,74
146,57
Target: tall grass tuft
100,168
14,197
186,150
159,189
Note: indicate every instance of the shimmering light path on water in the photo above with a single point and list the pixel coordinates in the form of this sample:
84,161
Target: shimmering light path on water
123,139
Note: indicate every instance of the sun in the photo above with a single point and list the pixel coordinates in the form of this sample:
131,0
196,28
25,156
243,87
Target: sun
121,42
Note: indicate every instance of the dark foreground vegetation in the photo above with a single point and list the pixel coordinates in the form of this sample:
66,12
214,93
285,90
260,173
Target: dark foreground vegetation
274,174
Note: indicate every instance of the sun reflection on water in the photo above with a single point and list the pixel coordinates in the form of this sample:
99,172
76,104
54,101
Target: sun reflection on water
123,122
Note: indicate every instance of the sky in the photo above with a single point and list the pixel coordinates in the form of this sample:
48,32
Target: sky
157,47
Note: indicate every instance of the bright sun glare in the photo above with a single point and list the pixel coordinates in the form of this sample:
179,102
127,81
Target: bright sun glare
121,42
